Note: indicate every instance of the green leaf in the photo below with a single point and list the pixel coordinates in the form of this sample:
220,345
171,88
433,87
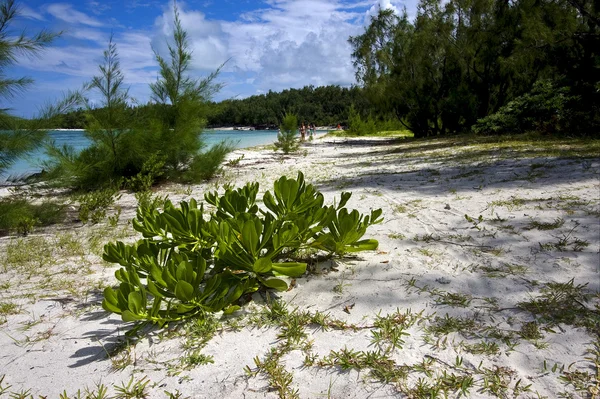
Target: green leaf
184,291
135,302
231,309
110,307
128,316
275,283
363,245
290,269
262,265
153,289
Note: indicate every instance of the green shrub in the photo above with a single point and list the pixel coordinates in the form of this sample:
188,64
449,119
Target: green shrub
207,164
187,264
94,205
546,109
151,171
19,215
359,127
287,140
135,148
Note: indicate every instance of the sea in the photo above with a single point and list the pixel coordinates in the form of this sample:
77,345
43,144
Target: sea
32,163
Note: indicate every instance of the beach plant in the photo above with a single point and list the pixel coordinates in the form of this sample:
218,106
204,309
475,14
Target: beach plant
189,265
21,216
286,138
135,147
94,205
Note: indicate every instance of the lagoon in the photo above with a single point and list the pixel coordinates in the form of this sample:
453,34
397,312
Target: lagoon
76,138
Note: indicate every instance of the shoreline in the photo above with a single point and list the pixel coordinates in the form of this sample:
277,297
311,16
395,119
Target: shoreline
13,180
431,259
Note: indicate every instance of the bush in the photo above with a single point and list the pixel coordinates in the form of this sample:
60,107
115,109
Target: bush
19,215
151,171
358,127
136,150
207,164
93,205
546,109
187,265
287,140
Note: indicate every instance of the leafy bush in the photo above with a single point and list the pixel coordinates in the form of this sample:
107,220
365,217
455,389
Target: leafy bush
187,265
19,215
359,127
207,164
287,140
151,171
93,205
136,148
546,108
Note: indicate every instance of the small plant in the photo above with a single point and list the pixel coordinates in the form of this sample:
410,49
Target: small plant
21,216
133,389
152,169
563,303
475,222
286,138
93,206
187,266
557,223
234,163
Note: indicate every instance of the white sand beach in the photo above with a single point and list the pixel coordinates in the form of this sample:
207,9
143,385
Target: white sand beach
480,302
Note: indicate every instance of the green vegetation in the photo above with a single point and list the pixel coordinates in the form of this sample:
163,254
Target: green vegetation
187,266
137,151
460,62
287,140
21,216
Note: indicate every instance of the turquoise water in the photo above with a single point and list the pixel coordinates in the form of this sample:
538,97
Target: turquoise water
76,138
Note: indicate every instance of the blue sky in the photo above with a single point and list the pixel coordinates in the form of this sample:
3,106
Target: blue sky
270,44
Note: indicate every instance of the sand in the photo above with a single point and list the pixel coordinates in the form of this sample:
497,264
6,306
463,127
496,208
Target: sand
431,259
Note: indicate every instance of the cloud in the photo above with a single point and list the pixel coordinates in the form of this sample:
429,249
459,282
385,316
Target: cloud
381,5
286,43
207,40
65,12
30,13
295,43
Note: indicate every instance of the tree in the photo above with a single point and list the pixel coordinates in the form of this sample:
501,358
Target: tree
287,140
183,101
462,60
14,139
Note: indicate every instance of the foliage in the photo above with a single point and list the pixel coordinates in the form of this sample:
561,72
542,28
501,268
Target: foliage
359,127
207,164
18,214
18,136
152,169
187,265
323,106
134,148
181,101
545,109
287,140
93,205
461,60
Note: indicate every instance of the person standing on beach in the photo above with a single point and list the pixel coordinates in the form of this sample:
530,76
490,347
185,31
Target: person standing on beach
303,132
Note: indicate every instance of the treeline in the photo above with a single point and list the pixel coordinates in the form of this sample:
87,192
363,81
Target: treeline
485,65
323,106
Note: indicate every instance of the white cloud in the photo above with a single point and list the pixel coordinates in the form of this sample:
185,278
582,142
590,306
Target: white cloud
288,43
380,5
207,40
292,43
65,12
30,13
